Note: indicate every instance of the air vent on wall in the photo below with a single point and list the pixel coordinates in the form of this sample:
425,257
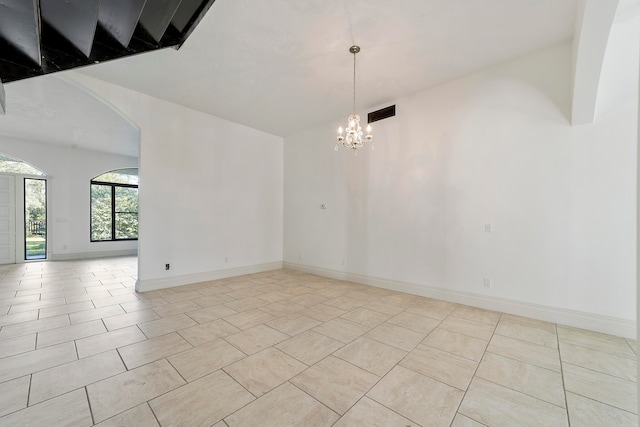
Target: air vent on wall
384,113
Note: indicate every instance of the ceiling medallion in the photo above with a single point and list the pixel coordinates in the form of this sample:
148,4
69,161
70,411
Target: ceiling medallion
354,137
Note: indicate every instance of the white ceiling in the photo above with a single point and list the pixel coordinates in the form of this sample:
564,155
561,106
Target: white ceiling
282,66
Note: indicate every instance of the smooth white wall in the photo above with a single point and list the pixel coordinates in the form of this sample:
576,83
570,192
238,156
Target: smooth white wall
210,190
494,147
69,171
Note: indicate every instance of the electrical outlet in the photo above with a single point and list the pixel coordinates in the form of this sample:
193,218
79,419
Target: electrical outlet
323,206
344,261
486,282
488,228
301,255
167,266
226,259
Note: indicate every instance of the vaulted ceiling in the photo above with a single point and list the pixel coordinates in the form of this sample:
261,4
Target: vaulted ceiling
282,66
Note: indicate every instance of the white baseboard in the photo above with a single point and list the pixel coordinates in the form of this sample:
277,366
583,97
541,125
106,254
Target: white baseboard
92,255
594,322
187,279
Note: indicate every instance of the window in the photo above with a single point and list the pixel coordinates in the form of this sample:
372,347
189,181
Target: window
12,165
114,206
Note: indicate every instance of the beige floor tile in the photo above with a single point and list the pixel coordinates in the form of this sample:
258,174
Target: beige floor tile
397,336
243,293
166,325
345,303
11,319
265,370
475,314
203,402
310,347
212,300
108,341
486,403
143,352
442,366
181,296
17,345
529,379
256,339
19,308
366,317
96,313
590,413
382,307
14,395
211,313
293,324
341,330
618,366
547,326
432,308
530,334
70,376
284,406
371,414
129,319
129,389
468,327
601,387
336,383
71,409
140,416
399,299
307,300
245,304
417,397
32,326
323,312
103,302
87,296
371,355
523,351
595,340
249,319
282,308
207,332
414,322
453,342
37,360
175,308
462,421
70,333
65,309
204,359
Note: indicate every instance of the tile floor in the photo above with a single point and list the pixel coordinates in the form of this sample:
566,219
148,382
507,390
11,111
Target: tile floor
79,347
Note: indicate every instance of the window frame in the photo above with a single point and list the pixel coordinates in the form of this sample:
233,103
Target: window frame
113,186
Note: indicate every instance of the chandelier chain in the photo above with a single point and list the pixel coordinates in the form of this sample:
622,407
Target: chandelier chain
354,82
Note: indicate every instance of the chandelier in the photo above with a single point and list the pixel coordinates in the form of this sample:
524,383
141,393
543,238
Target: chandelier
354,137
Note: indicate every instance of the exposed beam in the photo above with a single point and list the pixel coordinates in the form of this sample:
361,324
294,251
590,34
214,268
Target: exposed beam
593,26
157,15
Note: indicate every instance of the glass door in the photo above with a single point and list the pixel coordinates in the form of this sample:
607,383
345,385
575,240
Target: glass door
35,218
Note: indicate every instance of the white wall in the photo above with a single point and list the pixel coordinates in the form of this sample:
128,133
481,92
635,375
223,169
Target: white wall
69,172
210,191
494,147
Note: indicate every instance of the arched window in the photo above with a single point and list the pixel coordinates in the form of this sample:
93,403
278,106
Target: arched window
114,206
11,165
